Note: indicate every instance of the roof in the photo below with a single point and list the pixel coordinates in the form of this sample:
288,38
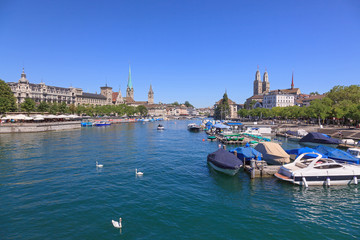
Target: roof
230,102
256,97
288,91
313,97
92,95
128,100
114,96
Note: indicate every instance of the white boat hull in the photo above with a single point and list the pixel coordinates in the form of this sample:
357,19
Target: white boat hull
320,180
230,172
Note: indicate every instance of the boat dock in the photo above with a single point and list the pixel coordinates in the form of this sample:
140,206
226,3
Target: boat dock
258,169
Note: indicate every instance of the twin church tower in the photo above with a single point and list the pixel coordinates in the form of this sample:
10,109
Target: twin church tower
261,87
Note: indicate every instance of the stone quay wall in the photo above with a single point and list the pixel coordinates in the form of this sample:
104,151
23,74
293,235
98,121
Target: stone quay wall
38,127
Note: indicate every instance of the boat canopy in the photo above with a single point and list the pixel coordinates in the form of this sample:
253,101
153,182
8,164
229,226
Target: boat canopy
222,126
273,152
316,137
247,153
337,154
298,151
224,159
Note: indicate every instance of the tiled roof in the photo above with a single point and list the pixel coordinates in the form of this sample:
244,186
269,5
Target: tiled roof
92,95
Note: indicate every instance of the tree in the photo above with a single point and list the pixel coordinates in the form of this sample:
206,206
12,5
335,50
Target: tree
223,108
28,105
7,99
72,108
54,108
43,107
187,104
63,107
142,110
176,103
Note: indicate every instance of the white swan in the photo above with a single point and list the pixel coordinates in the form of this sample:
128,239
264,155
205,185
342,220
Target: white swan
117,224
138,173
99,165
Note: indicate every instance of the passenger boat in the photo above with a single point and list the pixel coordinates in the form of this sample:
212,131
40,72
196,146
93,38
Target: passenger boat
86,124
224,161
102,123
314,139
192,127
160,127
318,171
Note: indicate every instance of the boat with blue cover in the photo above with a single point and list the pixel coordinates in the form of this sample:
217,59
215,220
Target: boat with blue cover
245,154
337,154
224,161
314,139
294,153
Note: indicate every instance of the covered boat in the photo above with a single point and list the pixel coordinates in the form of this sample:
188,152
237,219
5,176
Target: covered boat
315,139
294,153
337,154
224,161
247,153
273,153
192,127
318,171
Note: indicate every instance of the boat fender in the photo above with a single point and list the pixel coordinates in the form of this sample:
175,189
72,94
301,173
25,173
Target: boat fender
355,180
305,182
328,181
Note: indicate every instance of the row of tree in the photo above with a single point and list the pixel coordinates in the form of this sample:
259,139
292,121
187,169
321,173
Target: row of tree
341,105
30,106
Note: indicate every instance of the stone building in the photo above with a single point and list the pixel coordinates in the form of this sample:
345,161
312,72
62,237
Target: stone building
43,93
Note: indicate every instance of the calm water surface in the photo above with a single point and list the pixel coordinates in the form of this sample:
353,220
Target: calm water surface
51,189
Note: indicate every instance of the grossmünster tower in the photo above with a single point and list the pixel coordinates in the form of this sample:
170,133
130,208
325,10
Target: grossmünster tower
261,87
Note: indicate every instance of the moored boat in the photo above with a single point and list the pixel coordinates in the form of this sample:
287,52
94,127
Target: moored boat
273,153
102,123
224,161
192,127
337,154
314,139
354,152
318,171
160,127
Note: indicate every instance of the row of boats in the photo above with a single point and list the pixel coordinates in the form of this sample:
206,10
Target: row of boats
323,165
96,123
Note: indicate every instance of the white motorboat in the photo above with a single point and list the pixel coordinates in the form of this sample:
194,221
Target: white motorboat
354,152
318,171
160,127
193,127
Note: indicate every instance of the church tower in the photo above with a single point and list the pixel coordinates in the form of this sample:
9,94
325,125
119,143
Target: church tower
130,89
266,83
107,92
151,96
257,83
292,81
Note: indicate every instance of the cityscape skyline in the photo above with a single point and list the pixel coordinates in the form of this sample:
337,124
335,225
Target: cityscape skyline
188,51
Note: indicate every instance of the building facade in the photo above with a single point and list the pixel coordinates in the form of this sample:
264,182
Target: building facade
277,99
43,93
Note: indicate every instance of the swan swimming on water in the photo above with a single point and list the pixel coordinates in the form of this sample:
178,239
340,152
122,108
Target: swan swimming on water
117,224
99,165
138,173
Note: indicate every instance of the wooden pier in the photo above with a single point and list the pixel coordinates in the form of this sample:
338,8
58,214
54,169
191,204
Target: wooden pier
258,169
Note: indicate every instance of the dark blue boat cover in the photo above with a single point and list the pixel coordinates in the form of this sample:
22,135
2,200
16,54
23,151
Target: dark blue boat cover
224,159
298,151
247,152
292,133
316,137
337,154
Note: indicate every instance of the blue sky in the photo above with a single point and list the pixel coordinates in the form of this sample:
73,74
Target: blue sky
187,50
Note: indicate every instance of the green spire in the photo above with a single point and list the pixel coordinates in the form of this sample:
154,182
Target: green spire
129,85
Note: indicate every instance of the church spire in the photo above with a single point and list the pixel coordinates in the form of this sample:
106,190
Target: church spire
292,81
129,85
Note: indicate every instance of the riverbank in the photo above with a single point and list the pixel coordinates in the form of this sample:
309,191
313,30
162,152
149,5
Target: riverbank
38,127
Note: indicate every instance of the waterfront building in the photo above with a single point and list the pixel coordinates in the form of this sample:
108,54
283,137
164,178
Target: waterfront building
44,93
277,99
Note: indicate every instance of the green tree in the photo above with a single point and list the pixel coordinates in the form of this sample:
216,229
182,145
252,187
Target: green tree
223,108
54,108
63,107
7,99
176,103
28,105
43,107
72,108
142,110
187,104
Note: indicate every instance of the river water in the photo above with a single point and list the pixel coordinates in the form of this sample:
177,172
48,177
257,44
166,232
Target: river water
50,188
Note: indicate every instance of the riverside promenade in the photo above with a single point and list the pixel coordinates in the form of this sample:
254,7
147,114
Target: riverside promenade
38,127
